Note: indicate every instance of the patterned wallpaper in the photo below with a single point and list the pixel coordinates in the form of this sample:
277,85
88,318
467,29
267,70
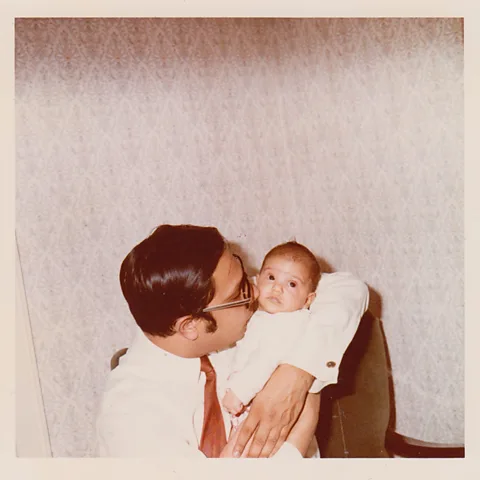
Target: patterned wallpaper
344,133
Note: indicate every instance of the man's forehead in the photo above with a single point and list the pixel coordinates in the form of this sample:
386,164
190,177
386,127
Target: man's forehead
228,277
234,257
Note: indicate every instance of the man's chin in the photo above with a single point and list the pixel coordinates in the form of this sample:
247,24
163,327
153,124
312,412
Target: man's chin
235,343
242,335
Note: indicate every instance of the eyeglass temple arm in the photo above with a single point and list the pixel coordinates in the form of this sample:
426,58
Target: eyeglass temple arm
236,303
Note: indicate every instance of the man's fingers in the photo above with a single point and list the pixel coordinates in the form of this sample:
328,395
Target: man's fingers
262,440
247,447
270,444
247,429
281,440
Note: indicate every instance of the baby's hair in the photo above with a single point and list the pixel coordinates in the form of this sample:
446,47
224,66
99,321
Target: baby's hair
298,253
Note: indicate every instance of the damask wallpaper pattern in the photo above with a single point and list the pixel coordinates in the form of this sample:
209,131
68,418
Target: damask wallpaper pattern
344,133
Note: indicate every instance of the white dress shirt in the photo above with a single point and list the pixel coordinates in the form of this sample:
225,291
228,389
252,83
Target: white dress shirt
153,401
153,404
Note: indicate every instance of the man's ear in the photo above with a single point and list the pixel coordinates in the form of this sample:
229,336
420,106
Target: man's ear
310,299
187,327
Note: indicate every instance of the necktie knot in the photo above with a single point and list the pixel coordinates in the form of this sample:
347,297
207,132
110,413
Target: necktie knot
206,366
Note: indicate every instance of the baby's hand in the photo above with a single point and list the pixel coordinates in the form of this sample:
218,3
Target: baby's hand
231,403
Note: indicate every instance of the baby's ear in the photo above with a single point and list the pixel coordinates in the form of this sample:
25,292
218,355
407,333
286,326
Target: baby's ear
310,298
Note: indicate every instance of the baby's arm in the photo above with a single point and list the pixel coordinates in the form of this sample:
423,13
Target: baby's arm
262,350
252,378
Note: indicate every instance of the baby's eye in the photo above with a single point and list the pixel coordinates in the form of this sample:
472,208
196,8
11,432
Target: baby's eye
271,277
292,284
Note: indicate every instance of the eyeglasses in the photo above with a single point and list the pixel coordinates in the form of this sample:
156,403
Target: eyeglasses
245,288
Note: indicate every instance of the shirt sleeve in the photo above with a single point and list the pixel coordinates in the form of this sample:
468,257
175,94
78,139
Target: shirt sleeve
335,314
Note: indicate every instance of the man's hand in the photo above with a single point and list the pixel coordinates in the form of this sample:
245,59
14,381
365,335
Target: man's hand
227,451
302,433
273,413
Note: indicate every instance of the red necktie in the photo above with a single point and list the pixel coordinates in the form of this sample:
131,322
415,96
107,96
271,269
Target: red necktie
213,432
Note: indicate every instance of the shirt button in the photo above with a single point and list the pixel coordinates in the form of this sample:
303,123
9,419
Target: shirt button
331,364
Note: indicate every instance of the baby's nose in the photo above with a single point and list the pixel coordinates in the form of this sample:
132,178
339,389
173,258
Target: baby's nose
277,287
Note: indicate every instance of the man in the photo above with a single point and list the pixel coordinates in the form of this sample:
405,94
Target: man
192,300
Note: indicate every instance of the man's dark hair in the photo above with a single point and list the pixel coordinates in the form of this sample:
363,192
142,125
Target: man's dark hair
169,275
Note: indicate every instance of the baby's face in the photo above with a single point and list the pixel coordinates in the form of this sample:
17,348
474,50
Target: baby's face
284,286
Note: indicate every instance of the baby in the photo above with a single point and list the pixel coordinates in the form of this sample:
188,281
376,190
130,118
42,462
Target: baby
287,282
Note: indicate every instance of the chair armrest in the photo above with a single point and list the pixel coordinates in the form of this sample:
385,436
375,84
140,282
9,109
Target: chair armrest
403,446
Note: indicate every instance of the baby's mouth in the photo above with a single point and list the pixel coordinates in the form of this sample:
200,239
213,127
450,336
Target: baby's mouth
275,300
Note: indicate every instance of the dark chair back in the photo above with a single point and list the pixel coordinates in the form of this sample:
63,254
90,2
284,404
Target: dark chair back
355,413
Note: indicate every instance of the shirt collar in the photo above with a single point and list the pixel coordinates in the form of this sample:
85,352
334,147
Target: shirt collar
158,363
